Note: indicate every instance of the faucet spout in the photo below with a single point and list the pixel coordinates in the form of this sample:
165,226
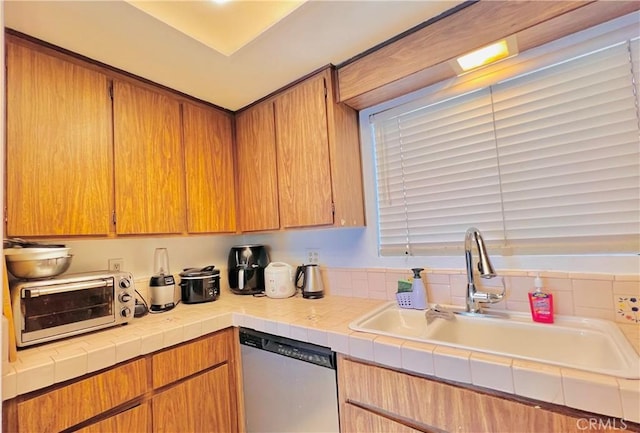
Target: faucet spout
474,298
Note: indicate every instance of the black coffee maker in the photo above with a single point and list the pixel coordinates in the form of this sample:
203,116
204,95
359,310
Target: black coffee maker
246,269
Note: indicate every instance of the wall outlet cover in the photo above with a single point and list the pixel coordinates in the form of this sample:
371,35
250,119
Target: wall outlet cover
116,265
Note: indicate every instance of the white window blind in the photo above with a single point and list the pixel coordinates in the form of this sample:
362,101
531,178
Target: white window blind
547,162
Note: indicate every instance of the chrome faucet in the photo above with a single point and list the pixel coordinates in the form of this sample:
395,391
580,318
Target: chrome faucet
474,297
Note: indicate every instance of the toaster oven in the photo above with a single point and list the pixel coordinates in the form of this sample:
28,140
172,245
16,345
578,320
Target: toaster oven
46,310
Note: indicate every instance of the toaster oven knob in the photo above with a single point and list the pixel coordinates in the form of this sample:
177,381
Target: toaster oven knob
125,312
125,283
124,297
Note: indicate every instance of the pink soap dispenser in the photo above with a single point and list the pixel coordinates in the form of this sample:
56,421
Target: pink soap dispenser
541,303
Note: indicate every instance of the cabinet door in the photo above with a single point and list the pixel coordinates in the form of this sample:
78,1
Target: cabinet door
304,175
199,404
136,420
59,164
257,173
149,166
208,150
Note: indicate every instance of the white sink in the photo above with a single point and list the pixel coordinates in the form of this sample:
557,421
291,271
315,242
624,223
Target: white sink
586,344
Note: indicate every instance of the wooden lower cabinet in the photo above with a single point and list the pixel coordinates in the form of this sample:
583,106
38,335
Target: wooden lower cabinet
377,399
358,420
191,387
134,420
199,404
196,386
66,406
184,360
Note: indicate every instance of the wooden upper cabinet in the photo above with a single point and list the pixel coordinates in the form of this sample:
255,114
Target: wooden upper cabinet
304,174
149,165
298,160
59,163
257,172
209,171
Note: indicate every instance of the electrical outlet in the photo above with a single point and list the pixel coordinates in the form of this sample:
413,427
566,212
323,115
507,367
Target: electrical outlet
313,256
116,265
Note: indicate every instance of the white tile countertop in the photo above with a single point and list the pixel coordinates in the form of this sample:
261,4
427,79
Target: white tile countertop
325,322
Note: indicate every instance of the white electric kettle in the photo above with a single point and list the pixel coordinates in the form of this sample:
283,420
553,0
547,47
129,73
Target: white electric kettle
278,280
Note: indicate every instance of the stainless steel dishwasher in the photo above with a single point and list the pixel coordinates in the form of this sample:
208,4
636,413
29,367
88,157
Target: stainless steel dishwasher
289,386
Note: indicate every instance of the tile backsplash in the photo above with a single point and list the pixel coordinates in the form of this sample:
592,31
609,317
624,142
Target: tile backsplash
603,296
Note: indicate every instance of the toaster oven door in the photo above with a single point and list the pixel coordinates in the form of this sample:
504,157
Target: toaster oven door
55,311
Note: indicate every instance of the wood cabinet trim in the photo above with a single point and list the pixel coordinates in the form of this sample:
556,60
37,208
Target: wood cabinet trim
420,58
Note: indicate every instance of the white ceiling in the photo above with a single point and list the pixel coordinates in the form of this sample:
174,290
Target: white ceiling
224,25
168,42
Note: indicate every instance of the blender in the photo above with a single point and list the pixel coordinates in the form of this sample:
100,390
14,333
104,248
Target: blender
162,284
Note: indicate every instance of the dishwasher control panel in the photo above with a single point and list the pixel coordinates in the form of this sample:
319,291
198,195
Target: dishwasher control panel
307,352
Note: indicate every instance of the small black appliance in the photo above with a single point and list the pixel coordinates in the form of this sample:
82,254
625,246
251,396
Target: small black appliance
246,269
200,285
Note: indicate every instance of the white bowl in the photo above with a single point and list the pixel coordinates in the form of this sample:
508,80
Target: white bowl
20,254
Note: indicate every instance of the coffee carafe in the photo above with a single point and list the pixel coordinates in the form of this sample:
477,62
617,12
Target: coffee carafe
308,279
246,269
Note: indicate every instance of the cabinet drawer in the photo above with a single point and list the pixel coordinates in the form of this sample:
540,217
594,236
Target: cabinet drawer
190,358
433,405
67,406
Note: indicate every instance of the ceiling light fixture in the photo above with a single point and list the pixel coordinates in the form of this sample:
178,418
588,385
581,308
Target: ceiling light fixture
486,55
